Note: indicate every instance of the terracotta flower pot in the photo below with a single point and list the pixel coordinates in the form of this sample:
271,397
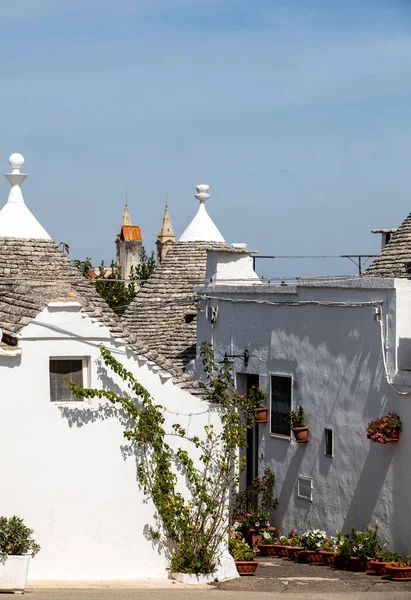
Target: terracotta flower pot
281,551
398,573
357,563
261,415
294,552
301,434
246,567
328,557
378,567
310,556
340,561
253,539
267,549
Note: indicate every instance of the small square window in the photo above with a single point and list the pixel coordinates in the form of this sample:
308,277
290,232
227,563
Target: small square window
63,370
328,442
305,488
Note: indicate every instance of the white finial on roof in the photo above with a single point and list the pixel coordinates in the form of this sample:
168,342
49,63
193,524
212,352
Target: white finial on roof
16,220
202,227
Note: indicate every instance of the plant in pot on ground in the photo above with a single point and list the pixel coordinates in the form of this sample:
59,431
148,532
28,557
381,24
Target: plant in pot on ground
328,550
268,544
253,508
289,545
192,527
379,563
364,547
312,541
343,550
298,427
243,555
258,399
385,429
399,570
16,547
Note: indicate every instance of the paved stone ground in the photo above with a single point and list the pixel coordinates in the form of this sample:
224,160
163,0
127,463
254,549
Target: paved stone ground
275,578
289,577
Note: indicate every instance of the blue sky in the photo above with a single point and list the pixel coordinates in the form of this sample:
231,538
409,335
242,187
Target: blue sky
297,114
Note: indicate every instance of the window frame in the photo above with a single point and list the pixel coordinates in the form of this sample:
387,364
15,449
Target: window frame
85,363
280,436
306,479
332,442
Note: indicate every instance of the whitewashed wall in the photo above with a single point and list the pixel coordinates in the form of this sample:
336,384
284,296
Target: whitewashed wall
66,469
335,357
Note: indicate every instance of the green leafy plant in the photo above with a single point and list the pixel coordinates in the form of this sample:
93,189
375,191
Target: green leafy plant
195,524
257,396
381,430
291,539
254,506
240,550
313,539
269,537
343,545
15,538
390,557
400,562
296,418
329,544
365,543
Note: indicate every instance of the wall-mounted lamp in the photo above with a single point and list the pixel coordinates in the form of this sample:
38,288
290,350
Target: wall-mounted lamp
245,356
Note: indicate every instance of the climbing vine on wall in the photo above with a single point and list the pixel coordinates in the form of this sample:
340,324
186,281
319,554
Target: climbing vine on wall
195,523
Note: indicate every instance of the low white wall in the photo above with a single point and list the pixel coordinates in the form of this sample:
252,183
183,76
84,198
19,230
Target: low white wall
335,357
66,469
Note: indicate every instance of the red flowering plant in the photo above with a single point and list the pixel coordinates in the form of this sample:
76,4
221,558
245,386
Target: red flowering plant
254,505
381,430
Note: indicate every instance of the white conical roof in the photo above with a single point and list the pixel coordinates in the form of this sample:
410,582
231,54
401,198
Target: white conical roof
202,227
16,220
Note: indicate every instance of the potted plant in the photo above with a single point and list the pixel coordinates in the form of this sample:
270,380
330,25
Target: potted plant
253,507
385,430
244,556
312,541
379,563
399,570
294,546
297,420
268,544
364,547
343,551
328,550
257,397
16,547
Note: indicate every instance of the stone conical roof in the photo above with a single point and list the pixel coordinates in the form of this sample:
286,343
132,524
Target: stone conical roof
126,220
391,260
163,314
166,231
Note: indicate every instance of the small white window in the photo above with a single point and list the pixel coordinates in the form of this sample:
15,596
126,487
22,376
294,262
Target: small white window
305,488
62,370
328,442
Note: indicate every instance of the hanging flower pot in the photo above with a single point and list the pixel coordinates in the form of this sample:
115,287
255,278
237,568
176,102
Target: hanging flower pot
385,430
298,426
261,415
301,434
